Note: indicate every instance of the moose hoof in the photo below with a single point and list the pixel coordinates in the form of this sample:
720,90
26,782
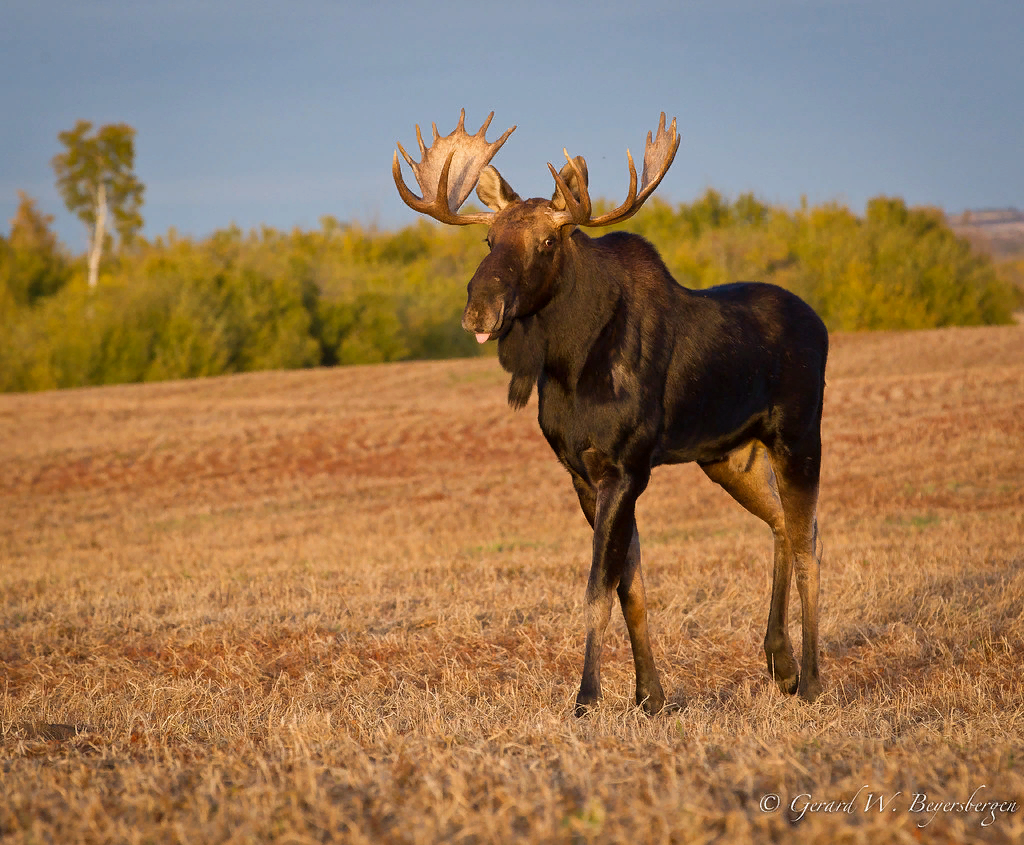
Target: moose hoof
586,704
651,703
789,685
782,667
810,688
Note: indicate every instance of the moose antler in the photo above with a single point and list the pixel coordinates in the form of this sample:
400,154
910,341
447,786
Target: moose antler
658,156
448,171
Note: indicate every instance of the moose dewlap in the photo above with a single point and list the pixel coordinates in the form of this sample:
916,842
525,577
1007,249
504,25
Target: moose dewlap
633,371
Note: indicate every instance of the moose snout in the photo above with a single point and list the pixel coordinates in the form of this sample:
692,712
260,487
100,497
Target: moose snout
483,318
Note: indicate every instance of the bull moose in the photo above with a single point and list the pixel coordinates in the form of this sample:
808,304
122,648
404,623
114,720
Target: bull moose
633,371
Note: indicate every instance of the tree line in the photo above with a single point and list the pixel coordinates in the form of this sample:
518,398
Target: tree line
233,301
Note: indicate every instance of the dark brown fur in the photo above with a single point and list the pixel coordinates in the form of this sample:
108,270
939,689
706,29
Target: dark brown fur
633,371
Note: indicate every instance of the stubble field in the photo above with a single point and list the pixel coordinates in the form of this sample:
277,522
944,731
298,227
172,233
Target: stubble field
347,605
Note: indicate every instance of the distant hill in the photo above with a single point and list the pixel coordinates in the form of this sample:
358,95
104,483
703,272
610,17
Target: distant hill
999,231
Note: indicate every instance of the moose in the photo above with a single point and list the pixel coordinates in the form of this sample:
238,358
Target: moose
633,371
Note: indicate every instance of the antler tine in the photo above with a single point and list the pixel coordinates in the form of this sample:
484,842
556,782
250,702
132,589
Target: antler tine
577,212
658,156
405,155
448,171
624,210
582,181
414,202
441,197
504,137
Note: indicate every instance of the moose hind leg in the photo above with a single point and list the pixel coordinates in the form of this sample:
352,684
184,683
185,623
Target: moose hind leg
798,487
748,476
633,599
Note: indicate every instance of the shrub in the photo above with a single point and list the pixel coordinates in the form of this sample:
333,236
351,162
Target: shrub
343,294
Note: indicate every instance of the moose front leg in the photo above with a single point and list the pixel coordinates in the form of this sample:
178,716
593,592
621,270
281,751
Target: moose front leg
615,566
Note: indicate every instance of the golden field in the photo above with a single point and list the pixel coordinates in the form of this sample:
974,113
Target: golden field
346,605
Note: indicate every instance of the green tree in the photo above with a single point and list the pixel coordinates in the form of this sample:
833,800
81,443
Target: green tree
96,179
32,262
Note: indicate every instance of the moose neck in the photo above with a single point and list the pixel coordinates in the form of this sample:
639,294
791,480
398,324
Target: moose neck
555,342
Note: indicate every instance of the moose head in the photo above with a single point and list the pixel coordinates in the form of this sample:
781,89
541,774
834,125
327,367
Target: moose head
528,239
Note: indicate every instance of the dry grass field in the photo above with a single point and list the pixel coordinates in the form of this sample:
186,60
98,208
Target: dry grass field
346,605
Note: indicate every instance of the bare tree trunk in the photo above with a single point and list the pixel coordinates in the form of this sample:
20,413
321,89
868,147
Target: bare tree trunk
98,233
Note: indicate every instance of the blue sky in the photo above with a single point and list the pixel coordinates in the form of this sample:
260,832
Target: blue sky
280,112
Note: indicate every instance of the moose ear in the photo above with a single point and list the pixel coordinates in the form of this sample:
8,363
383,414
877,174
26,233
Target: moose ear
569,177
493,190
